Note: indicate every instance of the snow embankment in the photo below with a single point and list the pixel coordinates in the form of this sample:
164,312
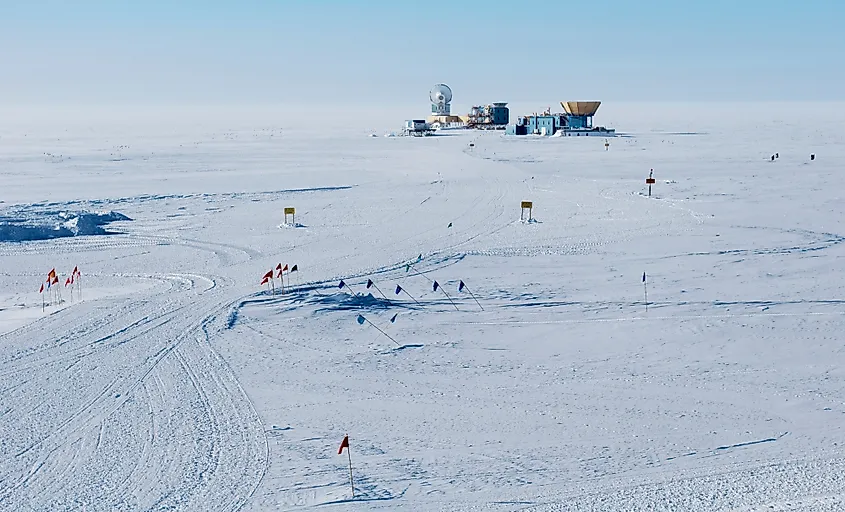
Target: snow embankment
23,225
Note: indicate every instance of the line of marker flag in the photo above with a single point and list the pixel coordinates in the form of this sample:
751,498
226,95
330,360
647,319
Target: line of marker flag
278,273
75,280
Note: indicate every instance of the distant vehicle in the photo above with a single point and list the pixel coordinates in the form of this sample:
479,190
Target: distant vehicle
417,128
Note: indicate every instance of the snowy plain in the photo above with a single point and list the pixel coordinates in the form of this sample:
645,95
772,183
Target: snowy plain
179,383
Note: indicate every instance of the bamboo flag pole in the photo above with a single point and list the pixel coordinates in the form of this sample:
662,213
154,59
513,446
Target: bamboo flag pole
345,444
462,286
351,481
370,283
645,291
362,319
435,286
399,290
293,269
343,285
280,275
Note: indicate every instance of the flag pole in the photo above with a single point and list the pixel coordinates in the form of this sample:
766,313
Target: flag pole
472,295
343,284
379,290
370,282
447,296
351,485
645,292
381,331
409,295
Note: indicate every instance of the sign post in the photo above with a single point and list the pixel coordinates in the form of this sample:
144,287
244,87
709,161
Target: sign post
292,213
526,205
650,181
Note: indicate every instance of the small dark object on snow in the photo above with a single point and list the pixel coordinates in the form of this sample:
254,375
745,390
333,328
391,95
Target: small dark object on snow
812,157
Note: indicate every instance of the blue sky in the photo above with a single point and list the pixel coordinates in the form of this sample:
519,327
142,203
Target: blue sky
333,52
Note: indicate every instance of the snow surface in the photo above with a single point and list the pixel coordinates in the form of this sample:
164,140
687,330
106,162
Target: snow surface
178,383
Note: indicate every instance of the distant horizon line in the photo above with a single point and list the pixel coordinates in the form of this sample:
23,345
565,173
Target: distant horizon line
389,105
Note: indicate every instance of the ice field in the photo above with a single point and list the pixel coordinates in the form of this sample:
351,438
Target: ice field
179,383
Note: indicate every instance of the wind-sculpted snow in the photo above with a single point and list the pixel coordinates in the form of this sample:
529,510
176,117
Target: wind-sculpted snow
23,224
545,382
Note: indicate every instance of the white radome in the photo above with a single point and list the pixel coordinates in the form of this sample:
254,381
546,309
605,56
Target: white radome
441,93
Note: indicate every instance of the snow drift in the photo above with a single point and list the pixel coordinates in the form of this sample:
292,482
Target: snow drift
25,226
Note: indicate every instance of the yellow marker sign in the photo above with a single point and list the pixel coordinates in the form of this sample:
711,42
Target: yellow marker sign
530,206
290,211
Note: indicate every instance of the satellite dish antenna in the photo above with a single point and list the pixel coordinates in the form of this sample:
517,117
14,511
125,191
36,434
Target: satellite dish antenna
440,97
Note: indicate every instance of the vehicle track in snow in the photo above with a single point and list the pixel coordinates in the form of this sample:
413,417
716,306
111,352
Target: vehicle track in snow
193,438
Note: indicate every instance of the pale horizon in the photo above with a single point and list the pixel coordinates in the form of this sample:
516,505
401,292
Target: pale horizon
156,53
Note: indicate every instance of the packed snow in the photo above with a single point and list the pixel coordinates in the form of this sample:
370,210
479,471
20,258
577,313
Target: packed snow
168,378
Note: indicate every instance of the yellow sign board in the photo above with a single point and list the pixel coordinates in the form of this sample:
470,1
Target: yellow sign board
527,204
290,211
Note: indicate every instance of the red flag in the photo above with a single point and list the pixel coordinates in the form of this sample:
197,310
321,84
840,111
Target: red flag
279,275
42,288
52,274
343,444
286,268
75,270
279,266
264,281
71,279
55,279
67,282
268,275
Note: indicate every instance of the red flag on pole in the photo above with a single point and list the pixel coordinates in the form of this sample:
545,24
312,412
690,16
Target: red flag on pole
279,266
41,290
52,274
55,279
268,275
286,268
343,444
67,282
75,270
264,281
